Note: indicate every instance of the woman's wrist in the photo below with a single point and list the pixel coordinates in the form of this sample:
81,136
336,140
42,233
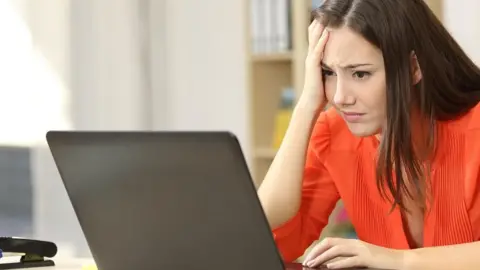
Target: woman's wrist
307,106
305,114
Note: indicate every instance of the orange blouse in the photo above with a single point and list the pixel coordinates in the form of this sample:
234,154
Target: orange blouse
342,166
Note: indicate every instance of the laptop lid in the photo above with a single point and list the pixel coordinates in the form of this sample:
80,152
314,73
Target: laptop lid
164,200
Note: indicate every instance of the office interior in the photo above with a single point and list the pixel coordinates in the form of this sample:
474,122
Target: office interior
149,65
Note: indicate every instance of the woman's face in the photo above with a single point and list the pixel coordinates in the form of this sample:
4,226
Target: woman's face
354,78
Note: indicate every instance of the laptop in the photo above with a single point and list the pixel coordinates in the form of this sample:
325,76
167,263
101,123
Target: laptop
165,200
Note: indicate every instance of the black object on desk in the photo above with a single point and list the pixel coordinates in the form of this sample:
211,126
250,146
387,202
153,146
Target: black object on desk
34,252
165,200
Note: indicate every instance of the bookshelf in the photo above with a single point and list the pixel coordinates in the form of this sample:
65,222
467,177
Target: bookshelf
275,63
437,7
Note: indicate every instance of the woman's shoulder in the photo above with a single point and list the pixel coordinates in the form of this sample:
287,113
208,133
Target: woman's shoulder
467,123
474,121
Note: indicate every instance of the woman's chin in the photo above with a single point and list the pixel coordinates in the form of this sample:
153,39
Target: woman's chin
363,129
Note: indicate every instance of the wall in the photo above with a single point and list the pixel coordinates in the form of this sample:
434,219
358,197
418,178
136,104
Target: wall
462,20
185,72
206,63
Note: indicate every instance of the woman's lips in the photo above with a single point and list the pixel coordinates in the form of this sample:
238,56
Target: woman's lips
352,117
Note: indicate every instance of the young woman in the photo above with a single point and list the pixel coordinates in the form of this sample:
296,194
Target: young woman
399,145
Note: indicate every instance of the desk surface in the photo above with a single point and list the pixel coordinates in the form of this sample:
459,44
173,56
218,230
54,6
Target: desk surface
60,264
86,264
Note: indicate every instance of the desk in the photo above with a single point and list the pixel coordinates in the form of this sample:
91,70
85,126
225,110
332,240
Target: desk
60,264
79,264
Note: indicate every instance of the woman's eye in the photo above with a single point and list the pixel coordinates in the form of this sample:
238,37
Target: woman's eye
361,74
327,72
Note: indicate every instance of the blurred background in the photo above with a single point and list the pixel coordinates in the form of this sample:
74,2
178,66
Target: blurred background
233,65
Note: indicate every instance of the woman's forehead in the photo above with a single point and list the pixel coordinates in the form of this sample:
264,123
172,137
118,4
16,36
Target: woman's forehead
346,47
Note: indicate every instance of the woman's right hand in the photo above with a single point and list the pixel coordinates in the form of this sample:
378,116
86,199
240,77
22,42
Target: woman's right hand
313,93
281,190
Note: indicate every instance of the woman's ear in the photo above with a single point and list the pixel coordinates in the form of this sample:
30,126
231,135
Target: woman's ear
415,67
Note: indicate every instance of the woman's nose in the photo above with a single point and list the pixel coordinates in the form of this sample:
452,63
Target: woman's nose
342,96
339,97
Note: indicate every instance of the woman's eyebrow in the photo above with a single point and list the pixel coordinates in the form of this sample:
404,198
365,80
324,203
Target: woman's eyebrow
350,66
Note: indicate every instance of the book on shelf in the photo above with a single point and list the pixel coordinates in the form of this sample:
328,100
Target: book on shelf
316,3
283,116
270,26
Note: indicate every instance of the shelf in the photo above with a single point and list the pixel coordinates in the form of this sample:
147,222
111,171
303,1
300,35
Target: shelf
271,69
265,153
272,57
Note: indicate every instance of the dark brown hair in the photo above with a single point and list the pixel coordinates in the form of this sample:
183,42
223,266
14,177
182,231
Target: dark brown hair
449,87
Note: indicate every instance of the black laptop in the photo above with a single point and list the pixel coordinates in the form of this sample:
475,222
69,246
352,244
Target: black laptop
165,200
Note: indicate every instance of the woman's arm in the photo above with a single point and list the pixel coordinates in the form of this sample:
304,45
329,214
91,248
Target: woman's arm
459,257
318,196
281,190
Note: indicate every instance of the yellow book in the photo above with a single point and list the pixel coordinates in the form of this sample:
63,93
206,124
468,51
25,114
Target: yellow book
282,120
283,116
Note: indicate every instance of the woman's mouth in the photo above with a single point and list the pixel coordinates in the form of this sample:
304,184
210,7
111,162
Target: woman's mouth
352,117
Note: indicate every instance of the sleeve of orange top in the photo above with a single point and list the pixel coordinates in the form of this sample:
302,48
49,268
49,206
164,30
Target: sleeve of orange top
474,211
319,197
472,173
472,170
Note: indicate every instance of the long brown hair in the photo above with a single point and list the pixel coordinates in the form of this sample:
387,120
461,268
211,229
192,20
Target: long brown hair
449,86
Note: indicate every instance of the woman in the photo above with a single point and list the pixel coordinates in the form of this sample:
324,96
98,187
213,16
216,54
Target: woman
400,143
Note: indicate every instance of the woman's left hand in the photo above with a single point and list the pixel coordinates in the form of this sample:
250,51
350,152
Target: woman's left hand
347,253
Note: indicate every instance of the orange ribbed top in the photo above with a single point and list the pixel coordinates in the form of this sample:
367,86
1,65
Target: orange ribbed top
340,165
